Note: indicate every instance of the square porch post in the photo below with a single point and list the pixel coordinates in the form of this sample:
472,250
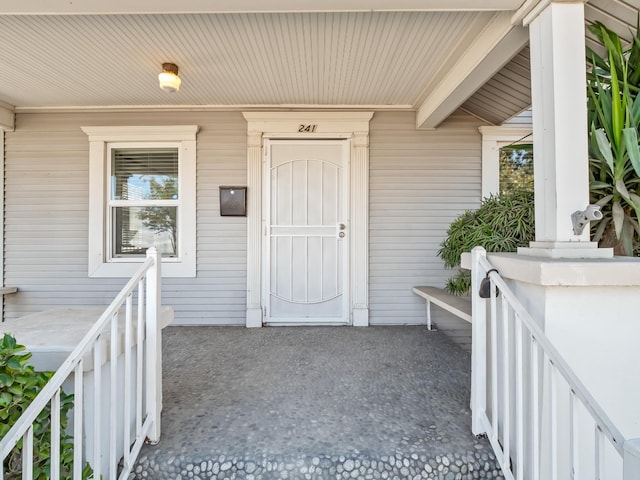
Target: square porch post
561,160
583,299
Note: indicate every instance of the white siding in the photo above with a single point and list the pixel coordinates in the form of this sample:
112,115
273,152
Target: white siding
419,182
47,216
524,118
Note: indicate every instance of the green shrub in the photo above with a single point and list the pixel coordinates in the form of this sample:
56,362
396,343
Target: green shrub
501,224
19,386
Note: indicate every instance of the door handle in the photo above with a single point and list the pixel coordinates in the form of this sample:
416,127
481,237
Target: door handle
341,226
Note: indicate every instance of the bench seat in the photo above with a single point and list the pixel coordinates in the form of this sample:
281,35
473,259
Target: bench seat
459,306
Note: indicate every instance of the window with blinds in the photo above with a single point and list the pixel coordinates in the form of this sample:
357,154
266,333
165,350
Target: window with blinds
144,201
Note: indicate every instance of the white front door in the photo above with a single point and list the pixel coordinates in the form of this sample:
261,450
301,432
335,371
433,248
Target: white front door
306,251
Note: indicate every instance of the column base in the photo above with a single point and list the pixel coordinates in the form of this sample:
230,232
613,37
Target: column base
565,250
254,317
360,317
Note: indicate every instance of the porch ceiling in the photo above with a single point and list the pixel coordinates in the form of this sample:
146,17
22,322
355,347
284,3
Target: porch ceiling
350,57
272,53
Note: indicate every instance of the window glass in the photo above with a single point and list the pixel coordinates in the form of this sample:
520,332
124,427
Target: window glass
144,201
135,229
516,168
144,174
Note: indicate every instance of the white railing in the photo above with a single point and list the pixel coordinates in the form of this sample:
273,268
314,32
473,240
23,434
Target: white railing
124,387
540,419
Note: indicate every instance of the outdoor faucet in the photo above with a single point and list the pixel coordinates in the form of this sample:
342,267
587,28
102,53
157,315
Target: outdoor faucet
581,218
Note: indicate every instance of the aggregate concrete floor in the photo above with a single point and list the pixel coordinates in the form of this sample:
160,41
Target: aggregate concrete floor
325,402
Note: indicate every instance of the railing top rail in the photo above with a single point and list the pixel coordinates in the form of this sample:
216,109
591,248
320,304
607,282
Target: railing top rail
577,387
78,353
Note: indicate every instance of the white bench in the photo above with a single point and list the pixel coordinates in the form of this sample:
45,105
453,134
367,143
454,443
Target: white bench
459,306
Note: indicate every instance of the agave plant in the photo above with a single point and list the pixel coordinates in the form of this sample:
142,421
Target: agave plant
613,84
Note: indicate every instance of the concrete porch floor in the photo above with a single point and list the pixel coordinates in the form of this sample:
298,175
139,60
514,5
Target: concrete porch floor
325,402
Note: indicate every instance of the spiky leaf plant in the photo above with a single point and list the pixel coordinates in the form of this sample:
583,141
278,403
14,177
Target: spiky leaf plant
501,224
613,84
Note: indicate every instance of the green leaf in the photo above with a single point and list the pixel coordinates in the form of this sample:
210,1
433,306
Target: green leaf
604,200
604,147
602,224
631,142
5,379
618,218
14,364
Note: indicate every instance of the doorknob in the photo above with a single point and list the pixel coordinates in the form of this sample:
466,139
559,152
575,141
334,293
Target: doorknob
342,226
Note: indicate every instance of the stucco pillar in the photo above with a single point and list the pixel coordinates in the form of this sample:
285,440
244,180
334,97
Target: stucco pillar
254,226
561,161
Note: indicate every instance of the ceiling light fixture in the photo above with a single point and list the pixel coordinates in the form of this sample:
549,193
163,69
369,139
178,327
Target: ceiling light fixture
169,79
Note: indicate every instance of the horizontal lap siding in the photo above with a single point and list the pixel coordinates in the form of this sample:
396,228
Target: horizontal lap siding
419,182
46,218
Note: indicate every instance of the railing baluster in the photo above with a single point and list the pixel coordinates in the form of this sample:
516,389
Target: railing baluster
140,342
573,436
535,410
97,406
113,407
27,454
553,417
506,385
128,345
519,372
55,437
599,453
78,417
494,362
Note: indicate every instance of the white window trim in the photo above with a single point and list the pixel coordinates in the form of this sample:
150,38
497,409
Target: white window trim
493,138
99,138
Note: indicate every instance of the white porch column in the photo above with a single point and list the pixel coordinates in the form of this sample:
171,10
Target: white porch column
586,303
558,94
360,228
254,228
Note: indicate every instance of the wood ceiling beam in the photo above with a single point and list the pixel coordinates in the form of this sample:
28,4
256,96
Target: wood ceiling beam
92,7
496,45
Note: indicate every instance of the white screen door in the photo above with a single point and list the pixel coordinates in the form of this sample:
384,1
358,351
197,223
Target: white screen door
307,232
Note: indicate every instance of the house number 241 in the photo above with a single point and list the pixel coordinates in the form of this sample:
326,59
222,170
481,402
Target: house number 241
302,128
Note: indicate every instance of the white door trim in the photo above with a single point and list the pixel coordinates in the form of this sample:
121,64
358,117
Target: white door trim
321,125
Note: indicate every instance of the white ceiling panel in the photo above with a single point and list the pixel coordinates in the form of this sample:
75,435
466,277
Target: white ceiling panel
351,59
383,58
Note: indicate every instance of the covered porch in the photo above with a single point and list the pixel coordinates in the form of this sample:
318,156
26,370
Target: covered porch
323,402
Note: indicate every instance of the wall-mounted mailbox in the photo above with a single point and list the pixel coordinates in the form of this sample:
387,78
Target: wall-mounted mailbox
233,201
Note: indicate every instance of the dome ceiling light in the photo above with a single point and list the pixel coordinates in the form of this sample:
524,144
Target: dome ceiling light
169,79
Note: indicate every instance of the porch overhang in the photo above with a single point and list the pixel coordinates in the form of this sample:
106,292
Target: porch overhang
498,43
91,7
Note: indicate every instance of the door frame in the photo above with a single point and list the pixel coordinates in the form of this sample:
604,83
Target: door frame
345,147
353,126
